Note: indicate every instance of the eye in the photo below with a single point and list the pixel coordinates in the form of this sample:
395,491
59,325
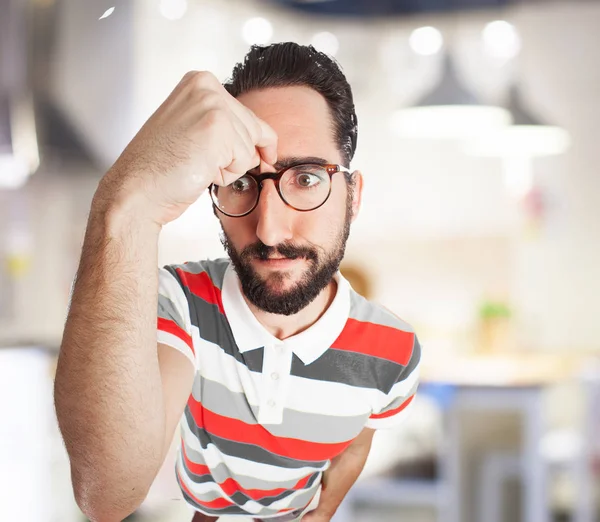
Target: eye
306,179
242,184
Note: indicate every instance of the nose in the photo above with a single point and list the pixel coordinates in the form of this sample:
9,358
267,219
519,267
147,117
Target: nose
273,225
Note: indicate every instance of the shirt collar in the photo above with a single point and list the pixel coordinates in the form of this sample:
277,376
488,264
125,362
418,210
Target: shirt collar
308,345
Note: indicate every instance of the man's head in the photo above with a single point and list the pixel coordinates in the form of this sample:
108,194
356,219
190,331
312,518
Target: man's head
305,97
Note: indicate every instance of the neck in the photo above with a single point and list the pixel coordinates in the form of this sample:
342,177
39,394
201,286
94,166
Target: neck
284,326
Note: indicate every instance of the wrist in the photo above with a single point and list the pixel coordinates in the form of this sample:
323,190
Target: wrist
121,208
121,214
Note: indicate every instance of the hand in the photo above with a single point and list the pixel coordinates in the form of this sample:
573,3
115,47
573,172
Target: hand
198,136
200,517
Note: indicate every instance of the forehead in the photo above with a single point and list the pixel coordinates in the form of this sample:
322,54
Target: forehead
301,118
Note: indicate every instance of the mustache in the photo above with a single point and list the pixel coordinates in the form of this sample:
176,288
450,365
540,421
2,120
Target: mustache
291,251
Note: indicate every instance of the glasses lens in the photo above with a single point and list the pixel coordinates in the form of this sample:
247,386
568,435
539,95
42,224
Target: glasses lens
237,198
305,187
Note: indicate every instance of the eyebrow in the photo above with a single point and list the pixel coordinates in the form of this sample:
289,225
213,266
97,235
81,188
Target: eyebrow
290,161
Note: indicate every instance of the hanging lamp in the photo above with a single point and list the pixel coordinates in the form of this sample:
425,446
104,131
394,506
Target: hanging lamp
527,136
448,111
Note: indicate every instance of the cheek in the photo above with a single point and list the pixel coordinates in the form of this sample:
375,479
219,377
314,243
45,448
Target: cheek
238,230
323,226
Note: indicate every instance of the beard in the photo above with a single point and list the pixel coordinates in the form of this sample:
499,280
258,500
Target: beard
263,293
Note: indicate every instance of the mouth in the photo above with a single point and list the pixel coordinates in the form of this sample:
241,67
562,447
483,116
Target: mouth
278,261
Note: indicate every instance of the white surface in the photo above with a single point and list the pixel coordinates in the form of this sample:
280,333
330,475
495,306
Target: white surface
25,417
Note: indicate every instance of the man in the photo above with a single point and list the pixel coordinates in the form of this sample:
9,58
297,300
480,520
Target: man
276,370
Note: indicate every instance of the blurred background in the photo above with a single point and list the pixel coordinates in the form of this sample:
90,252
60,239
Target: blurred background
478,143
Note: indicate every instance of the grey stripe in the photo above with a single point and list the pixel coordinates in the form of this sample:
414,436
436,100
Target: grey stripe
363,310
168,310
311,427
352,368
246,451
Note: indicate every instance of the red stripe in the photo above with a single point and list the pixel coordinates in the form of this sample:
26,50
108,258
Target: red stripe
213,504
376,340
390,413
202,286
231,487
238,431
169,326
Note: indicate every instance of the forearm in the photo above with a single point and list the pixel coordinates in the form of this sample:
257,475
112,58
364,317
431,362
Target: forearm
340,477
108,391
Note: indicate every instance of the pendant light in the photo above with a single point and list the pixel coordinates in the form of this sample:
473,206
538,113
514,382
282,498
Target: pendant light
527,136
517,145
448,111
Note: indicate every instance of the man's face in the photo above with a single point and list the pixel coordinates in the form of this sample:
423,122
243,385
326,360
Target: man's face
285,258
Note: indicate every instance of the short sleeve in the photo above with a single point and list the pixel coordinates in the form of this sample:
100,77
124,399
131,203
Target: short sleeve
395,407
173,324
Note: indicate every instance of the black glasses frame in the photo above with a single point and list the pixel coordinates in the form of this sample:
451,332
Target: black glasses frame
330,168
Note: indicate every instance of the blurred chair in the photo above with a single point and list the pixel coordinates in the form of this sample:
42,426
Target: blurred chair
574,451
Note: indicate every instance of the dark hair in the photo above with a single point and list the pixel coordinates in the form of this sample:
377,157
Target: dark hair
289,64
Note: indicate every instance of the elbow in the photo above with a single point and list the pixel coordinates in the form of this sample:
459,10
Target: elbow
103,504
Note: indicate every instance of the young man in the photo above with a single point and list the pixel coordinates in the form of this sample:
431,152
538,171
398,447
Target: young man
276,370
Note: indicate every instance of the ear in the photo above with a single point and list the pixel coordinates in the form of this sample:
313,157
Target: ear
357,196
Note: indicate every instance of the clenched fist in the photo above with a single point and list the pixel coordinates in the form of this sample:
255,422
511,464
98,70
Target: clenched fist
198,136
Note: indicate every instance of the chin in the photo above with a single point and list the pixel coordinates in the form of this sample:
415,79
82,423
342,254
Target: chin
280,284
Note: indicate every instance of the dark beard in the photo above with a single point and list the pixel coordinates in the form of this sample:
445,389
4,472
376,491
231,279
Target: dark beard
314,280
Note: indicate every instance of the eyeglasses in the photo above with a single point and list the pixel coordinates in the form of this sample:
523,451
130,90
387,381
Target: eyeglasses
303,187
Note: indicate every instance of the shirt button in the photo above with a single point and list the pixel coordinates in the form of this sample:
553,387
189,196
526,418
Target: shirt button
271,403
274,376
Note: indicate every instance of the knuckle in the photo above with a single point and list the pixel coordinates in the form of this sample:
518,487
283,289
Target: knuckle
188,76
215,117
202,80
212,100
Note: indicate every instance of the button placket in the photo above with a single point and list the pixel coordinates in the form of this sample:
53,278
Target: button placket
272,400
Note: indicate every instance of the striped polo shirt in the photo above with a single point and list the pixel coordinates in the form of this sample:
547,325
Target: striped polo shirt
265,416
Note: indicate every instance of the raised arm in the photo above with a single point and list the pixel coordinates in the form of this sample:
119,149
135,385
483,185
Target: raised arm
117,396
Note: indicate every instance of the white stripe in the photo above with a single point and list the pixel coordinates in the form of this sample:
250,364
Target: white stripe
175,342
329,398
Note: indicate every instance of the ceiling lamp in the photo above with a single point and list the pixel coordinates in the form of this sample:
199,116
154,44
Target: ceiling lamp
528,136
519,143
449,111
19,156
